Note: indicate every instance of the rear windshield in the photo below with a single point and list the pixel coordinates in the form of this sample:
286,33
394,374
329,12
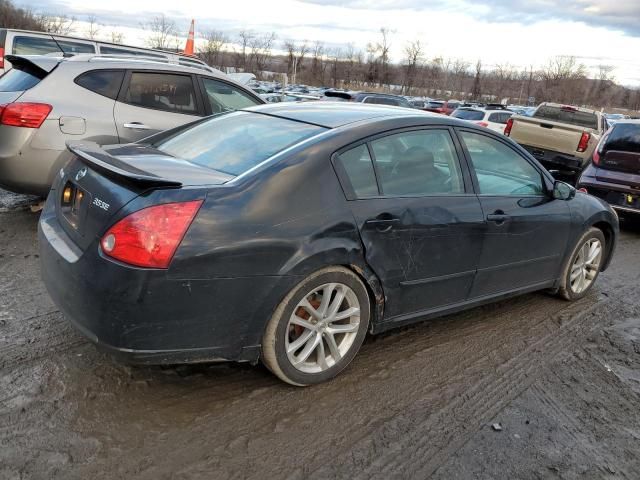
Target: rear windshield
468,114
567,115
624,137
434,104
236,142
20,78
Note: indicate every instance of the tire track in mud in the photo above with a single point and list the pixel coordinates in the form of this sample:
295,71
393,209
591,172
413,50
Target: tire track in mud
403,438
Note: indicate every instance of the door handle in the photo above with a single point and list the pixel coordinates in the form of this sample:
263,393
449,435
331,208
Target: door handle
136,126
498,217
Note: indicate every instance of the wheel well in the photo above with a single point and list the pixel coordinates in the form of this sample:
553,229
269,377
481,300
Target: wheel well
374,288
607,231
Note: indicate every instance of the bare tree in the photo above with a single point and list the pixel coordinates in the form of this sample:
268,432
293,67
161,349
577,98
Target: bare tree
317,62
94,29
58,25
14,17
261,47
413,58
245,38
162,32
211,51
117,37
476,91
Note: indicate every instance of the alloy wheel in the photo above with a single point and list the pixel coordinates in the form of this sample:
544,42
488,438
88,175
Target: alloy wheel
586,265
322,328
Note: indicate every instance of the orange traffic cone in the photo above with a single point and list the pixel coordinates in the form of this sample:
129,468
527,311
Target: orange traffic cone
188,48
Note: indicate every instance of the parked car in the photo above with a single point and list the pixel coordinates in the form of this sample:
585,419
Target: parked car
287,232
368,97
614,172
47,101
561,137
450,106
490,117
26,42
434,106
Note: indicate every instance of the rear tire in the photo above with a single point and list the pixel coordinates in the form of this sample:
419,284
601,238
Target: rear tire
318,327
582,267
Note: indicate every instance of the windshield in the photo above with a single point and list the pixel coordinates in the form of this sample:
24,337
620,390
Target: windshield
567,115
468,114
236,142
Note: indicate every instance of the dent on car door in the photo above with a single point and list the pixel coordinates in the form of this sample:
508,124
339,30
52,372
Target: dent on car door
151,102
526,229
420,228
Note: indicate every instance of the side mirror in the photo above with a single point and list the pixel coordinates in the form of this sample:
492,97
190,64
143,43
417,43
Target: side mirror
563,191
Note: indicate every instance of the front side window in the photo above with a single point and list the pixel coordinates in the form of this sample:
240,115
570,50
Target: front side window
223,96
162,91
359,168
102,82
418,163
235,142
501,170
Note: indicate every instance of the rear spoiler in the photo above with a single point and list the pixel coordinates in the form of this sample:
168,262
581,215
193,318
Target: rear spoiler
95,157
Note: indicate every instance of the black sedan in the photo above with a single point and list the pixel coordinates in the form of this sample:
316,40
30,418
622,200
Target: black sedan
287,232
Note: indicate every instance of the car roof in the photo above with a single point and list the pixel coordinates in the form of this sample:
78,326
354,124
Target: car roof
48,62
337,114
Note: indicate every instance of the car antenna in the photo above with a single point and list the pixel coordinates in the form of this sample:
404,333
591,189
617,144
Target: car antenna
64,54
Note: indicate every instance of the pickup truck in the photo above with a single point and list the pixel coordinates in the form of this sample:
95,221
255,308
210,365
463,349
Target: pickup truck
561,137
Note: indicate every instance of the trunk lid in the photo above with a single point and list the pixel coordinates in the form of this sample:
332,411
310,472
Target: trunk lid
97,182
547,134
621,161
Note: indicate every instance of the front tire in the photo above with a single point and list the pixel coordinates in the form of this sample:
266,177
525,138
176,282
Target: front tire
583,266
318,327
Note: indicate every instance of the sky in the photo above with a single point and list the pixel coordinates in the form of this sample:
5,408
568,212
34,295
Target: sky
519,32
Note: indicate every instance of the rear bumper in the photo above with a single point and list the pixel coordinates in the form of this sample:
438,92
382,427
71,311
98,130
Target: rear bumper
28,170
557,160
622,198
146,316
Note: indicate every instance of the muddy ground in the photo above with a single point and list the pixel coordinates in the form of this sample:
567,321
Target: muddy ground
562,380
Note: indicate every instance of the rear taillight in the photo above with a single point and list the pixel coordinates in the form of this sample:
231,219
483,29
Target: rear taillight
583,190
149,237
1,57
482,124
508,126
28,115
597,153
583,144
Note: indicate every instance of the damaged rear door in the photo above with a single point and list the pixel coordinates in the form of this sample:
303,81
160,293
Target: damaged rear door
420,223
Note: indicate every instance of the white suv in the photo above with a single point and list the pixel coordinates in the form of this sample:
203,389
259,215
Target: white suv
493,117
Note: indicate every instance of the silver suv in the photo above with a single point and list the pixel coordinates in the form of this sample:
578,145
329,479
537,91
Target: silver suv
47,101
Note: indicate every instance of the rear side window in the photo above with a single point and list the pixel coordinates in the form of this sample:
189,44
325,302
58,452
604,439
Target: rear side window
567,115
162,91
500,117
382,101
43,46
236,142
20,78
223,97
624,137
102,82
468,114
359,169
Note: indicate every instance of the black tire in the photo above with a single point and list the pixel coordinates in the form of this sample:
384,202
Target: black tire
274,354
565,291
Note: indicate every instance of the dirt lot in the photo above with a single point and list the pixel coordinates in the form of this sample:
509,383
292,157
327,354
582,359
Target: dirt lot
562,380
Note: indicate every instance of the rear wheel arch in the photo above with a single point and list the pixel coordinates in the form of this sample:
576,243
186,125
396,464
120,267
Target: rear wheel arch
608,232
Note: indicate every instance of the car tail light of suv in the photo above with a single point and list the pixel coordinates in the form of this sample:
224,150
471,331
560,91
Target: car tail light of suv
150,237
28,115
584,142
1,57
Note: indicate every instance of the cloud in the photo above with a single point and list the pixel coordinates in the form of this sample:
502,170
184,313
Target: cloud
620,15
